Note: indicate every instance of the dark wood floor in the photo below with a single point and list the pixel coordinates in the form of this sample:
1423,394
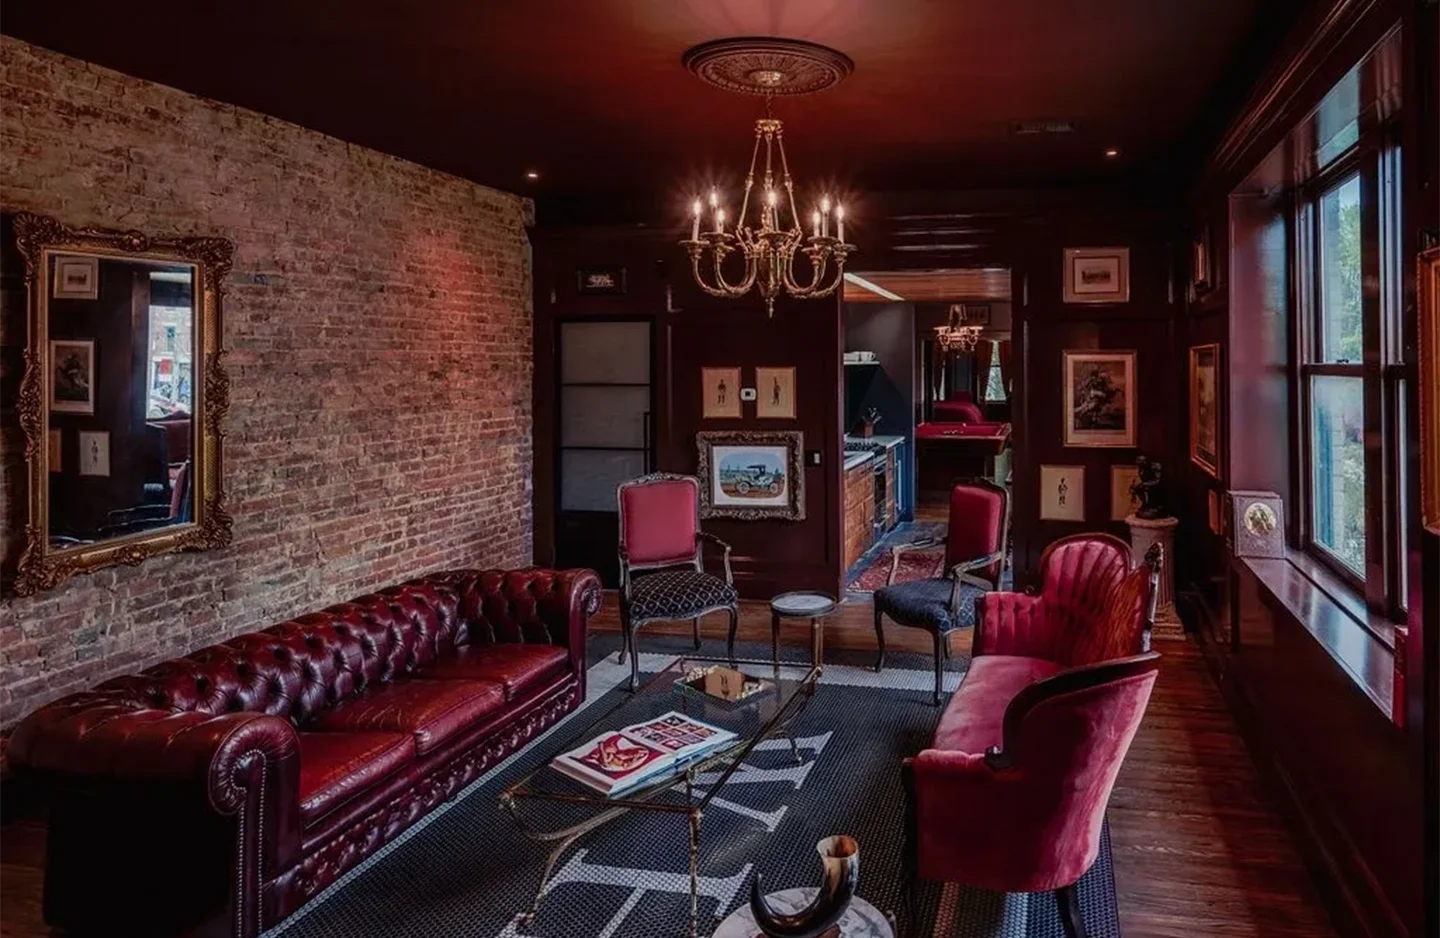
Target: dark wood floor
1199,847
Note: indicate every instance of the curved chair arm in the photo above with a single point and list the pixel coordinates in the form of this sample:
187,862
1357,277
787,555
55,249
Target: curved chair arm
702,536
925,543
1068,681
959,575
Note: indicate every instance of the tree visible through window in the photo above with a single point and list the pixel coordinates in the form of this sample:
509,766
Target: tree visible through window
994,385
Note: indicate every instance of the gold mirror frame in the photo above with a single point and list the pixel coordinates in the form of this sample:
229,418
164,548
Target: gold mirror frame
40,567
1427,296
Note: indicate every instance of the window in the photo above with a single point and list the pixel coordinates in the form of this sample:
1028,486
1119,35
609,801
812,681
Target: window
1348,272
994,386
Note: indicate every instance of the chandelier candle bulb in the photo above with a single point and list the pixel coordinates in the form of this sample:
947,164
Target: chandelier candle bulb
815,221
825,217
840,222
719,220
695,228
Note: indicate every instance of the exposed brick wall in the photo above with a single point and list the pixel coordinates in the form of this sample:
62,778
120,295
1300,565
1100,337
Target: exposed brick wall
379,349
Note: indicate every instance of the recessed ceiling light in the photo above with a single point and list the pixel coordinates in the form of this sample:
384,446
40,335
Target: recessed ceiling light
531,174
1112,152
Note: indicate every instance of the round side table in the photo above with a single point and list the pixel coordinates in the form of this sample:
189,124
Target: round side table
801,605
861,919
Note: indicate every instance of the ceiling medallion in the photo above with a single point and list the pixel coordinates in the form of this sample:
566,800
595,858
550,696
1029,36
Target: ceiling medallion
767,66
768,246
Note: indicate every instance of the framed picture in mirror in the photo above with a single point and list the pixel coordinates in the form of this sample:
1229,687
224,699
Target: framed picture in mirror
123,368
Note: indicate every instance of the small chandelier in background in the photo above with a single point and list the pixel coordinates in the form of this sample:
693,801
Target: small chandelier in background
955,335
769,238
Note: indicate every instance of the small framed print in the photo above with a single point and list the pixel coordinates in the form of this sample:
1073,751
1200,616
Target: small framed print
1123,502
55,450
72,376
775,399
1259,524
1062,493
76,278
1202,276
1097,275
1205,407
1099,398
94,452
720,388
601,281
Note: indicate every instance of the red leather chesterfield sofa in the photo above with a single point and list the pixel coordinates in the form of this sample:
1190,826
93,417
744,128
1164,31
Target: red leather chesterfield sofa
215,794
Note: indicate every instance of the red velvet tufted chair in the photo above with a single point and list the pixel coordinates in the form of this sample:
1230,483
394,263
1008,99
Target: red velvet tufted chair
662,572
1011,794
974,563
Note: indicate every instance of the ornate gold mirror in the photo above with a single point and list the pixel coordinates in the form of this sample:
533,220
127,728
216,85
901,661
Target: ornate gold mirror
122,398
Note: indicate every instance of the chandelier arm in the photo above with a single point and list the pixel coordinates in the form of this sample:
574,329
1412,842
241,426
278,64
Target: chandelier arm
721,291
789,184
743,287
749,181
817,268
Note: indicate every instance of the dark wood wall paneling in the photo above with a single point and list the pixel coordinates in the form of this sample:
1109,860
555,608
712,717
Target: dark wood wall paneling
1350,778
694,330
1025,231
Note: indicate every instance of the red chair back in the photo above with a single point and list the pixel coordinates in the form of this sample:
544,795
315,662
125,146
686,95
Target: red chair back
1068,735
977,525
1099,606
659,520
958,412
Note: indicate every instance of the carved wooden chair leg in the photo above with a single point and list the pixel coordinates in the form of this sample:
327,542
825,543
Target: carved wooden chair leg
624,636
1071,917
695,630
634,657
879,640
734,613
940,644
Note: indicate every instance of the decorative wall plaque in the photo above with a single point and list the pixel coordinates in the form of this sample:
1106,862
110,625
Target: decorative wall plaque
1258,524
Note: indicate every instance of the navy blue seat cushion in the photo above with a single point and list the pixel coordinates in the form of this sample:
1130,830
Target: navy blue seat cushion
926,604
678,594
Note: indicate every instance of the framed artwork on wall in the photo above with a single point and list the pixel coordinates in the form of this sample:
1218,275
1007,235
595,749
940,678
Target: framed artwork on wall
1259,524
94,452
1205,407
1202,274
76,278
1427,296
751,475
1123,502
600,281
1099,398
1062,493
775,393
72,376
720,393
1097,275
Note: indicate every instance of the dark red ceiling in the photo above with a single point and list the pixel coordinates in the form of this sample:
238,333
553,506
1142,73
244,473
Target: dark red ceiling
591,93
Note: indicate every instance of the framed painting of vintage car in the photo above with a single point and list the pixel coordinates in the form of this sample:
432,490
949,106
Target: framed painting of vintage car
752,475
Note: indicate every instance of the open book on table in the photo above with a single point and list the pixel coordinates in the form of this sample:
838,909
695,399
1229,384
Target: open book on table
620,759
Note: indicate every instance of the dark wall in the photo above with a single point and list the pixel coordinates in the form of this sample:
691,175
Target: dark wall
693,330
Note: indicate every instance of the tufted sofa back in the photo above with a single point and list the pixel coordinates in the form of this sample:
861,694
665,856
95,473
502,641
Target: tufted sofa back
300,668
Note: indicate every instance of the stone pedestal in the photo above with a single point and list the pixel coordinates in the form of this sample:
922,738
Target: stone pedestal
1143,533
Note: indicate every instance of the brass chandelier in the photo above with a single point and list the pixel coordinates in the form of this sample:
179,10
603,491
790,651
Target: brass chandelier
769,238
955,335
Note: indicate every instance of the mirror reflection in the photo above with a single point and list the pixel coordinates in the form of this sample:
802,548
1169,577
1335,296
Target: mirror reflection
121,394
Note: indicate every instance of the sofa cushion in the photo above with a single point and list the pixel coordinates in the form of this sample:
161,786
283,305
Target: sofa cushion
431,711
518,668
974,719
336,766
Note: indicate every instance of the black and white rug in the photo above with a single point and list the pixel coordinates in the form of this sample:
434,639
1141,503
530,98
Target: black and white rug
466,870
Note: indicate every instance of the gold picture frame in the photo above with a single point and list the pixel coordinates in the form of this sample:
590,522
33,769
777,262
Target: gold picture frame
1205,438
39,239
1096,275
720,394
1099,404
775,393
752,475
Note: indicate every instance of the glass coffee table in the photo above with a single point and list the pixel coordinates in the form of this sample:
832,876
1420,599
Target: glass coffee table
550,807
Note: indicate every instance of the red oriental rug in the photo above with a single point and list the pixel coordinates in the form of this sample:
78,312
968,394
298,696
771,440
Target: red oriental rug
914,565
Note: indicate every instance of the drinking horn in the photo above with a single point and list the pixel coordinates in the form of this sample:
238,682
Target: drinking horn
841,856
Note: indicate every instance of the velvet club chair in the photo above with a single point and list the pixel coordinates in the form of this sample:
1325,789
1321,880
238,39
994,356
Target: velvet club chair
662,571
1011,794
974,564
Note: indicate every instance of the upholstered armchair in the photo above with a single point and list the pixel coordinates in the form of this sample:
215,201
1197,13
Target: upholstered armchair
662,572
974,563
1011,794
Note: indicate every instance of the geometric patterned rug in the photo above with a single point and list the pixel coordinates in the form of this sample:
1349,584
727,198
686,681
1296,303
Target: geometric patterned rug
465,871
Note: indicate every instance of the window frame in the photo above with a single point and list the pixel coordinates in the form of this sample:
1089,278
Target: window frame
1375,159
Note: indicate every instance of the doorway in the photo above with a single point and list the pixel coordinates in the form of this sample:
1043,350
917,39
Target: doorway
605,400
